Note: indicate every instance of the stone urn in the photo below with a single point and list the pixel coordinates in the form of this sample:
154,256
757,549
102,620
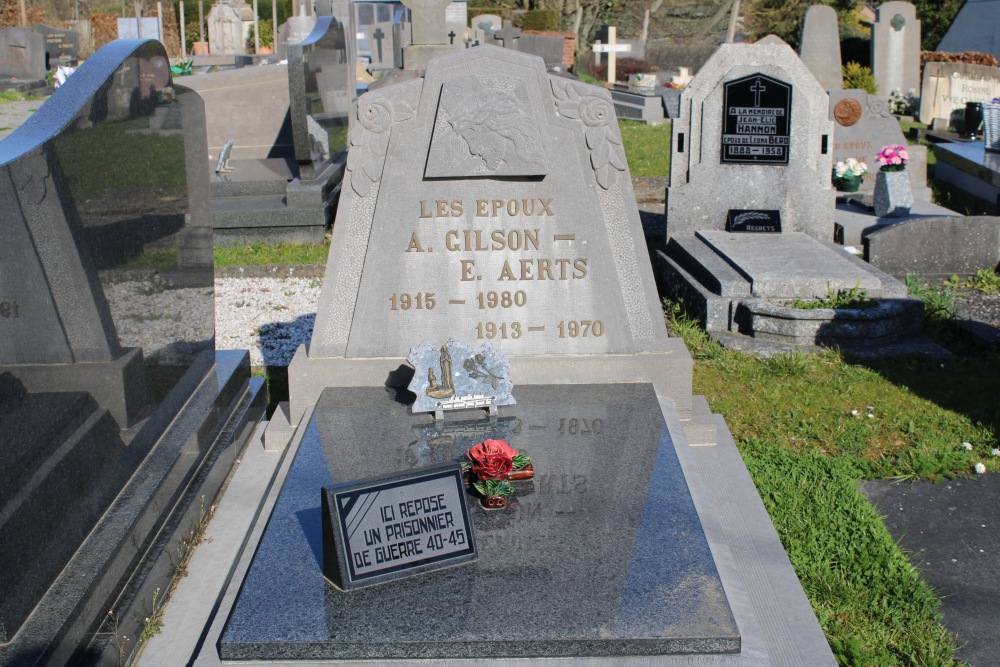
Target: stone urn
893,194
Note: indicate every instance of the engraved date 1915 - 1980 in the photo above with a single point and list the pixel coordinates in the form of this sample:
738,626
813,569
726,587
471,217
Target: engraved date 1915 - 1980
9,309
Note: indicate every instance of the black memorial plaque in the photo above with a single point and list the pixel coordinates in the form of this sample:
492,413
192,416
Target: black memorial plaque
756,120
754,221
391,527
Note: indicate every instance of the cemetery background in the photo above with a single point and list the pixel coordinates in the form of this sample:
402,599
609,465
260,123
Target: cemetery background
942,462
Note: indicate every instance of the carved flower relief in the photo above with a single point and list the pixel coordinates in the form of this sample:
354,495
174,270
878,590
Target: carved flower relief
370,140
607,157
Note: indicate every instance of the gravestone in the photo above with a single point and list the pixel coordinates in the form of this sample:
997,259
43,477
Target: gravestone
750,211
895,51
862,126
114,403
820,49
22,57
428,33
146,27
754,133
976,27
484,25
61,46
506,134
229,22
947,87
380,41
293,31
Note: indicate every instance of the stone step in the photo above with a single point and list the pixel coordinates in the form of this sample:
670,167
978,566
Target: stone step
711,270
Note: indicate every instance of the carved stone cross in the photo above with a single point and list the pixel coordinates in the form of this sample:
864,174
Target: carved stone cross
427,20
507,35
451,37
378,35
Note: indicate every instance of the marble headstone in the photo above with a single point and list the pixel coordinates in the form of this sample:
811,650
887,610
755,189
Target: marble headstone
227,27
976,27
947,87
59,44
22,54
820,49
501,195
896,48
753,134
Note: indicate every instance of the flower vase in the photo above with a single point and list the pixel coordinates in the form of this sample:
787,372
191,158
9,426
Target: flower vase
893,194
848,184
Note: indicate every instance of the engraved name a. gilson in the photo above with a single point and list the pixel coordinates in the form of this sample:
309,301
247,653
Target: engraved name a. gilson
486,208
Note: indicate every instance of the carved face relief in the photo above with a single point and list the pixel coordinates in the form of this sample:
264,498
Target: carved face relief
847,111
485,129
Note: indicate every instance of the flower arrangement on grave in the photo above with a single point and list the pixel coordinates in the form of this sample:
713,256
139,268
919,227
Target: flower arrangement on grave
492,465
892,158
847,174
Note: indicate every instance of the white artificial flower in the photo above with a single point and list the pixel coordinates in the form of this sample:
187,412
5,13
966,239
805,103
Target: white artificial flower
859,168
967,445
854,413
980,468
840,169
995,452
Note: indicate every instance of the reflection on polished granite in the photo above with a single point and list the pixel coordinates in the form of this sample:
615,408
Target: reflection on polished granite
601,554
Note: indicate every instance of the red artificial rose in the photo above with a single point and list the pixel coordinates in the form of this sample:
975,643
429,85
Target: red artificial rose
492,459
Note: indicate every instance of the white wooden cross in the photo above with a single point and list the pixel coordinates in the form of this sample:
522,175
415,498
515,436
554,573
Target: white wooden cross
612,49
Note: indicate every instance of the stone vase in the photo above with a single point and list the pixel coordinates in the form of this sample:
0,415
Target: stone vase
893,194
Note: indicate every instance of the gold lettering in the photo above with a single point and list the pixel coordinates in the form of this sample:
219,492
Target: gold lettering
414,244
580,269
512,207
497,205
442,208
526,265
562,264
481,205
468,265
528,207
545,270
451,240
545,207
531,239
457,208
506,273
423,210
499,242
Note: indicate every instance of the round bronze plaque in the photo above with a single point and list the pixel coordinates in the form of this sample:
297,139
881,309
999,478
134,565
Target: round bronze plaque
847,111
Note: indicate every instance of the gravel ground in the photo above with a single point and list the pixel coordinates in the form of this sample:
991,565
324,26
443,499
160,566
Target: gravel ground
12,114
980,307
270,317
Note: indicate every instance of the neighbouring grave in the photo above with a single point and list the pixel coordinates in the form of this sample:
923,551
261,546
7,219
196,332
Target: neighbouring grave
116,411
969,167
750,212
754,129
862,126
896,48
820,49
288,124
229,23
22,59
936,248
62,47
947,87
146,27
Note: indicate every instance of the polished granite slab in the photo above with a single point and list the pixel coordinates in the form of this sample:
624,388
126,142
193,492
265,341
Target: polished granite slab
602,554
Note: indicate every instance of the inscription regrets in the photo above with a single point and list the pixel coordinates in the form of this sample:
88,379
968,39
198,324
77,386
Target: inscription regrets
494,232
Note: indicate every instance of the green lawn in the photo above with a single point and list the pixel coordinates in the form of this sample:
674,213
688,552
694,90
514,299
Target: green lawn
809,427
647,148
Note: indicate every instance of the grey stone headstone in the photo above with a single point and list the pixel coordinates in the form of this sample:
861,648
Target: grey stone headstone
22,54
948,86
820,49
976,27
147,27
293,31
864,138
545,257
380,40
427,21
59,44
896,48
227,27
703,189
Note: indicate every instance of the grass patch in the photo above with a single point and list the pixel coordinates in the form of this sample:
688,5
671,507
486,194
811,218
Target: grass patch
847,299
985,281
8,96
647,148
808,428
281,254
